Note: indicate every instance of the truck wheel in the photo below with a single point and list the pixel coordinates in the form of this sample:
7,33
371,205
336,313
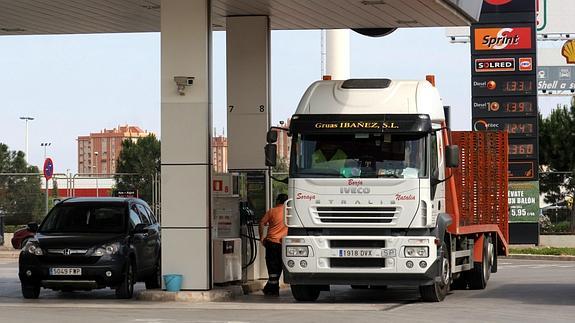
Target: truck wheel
30,291
305,293
438,290
482,271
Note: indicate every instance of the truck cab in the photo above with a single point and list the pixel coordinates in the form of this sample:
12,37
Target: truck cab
367,187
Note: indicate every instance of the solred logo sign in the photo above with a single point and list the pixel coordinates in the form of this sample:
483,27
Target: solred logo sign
525,64
502,38
483,65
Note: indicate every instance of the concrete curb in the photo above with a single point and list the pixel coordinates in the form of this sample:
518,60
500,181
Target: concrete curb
540,257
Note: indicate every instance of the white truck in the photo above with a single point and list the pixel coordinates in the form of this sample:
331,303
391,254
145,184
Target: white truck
373,196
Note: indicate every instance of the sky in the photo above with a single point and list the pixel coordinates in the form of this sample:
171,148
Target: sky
77,84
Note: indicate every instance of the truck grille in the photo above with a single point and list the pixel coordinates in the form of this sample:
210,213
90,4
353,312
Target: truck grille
357,262
357,243
357,214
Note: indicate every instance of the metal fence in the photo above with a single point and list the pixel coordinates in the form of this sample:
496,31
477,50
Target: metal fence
558,214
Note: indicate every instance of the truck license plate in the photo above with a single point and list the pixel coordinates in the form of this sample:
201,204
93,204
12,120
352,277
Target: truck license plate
366,253
66,271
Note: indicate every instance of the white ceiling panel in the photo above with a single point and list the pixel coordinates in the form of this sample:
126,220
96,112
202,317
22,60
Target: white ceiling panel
32,17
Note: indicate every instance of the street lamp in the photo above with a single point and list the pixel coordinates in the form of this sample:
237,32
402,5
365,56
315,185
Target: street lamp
96,177
26,137
95,163
45,145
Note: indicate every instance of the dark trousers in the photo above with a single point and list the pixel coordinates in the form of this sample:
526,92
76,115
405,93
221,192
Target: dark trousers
274,264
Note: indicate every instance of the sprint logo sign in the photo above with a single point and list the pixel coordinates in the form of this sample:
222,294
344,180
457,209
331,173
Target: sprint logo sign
502,39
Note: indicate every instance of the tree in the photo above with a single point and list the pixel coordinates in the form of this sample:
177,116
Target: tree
21,197
556,154
140,157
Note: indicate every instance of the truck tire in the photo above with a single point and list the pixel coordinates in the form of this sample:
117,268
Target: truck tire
305,293
482,271
439,289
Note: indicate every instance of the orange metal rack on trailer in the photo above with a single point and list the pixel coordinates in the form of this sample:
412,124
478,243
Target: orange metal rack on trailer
476,196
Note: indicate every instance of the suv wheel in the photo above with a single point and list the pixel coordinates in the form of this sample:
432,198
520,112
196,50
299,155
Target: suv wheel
30,291
155,280
126,288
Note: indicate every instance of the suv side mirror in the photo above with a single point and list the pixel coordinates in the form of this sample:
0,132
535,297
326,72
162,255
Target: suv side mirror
271,151
32,227
452,156
272,136
140,228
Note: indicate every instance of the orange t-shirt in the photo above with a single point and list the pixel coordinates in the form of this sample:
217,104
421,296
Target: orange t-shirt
275,219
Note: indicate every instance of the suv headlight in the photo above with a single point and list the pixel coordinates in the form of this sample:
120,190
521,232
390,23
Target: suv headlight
34,248
416,252
108,249
297,251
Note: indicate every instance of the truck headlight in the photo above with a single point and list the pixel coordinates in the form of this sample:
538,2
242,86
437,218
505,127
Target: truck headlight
416,252
297,251
108,249
34,248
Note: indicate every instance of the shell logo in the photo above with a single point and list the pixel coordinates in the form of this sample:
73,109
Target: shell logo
568,51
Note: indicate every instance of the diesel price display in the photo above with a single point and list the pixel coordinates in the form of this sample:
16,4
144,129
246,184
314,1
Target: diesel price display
516,85
504,106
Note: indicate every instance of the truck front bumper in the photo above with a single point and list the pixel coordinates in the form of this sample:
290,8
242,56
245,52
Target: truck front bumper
326,263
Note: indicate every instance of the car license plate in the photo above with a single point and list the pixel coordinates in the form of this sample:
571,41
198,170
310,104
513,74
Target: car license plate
366,253
66,271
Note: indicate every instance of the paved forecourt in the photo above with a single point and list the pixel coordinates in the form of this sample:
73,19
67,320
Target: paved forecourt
526,290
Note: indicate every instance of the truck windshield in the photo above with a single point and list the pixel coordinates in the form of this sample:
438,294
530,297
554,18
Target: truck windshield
359,155
86,218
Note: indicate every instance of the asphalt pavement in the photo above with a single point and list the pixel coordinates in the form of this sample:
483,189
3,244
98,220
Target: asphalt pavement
522,290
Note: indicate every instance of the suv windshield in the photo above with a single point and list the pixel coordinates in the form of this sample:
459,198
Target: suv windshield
86,218
359,155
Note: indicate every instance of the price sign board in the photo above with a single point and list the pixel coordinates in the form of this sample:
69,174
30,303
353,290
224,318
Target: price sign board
516,127
504,85
523,170
523,148
510,106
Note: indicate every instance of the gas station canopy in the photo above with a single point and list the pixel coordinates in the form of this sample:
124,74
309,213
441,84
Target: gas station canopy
35,17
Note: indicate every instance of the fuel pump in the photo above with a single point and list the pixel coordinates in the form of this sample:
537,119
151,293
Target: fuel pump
226,242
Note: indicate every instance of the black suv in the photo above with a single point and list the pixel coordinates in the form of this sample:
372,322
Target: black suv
90,243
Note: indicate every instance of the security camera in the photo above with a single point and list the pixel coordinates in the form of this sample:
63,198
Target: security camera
182,82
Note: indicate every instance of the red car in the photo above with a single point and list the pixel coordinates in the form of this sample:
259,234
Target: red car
21,237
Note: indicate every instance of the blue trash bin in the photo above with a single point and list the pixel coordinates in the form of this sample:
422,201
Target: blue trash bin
173,282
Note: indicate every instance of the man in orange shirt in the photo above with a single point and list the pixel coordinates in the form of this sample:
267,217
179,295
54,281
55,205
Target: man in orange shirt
274,218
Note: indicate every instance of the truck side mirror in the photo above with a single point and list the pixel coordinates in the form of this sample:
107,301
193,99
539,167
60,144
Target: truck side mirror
271,155
272,136
452,156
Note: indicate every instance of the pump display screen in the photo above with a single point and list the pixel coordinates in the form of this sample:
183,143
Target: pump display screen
359,155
